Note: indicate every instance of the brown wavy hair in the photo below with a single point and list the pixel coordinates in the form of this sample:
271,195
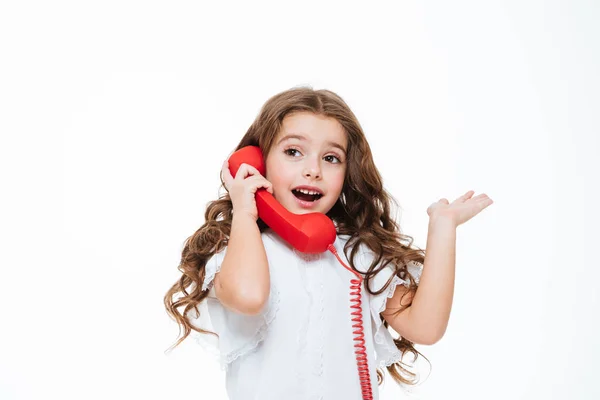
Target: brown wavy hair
362,212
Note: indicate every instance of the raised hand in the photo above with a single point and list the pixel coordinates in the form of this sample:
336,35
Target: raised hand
462,209
243,187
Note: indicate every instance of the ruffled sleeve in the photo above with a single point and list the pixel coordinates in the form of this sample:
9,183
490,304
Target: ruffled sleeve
213,266
239,334
386,351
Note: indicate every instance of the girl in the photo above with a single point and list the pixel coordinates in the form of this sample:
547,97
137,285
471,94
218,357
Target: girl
283,317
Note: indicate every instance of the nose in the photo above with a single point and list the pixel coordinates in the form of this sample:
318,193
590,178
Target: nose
312,169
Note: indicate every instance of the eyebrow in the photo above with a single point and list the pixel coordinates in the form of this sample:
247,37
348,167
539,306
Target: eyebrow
302,137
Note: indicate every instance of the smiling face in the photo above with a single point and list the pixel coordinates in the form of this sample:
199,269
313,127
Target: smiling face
307,162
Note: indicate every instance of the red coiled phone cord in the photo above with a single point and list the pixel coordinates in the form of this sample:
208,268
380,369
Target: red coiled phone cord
359,345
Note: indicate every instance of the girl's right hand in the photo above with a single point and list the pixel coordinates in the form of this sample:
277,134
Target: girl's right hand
243,187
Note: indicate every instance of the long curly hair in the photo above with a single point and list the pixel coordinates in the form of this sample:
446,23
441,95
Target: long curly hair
362,212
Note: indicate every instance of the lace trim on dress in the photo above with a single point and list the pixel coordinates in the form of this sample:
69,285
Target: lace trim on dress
415,269
394,357
269,316
388,294
211,348
213,266
208,342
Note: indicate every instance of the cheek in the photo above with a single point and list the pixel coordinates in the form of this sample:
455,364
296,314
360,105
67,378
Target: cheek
270,170
276,175
279,172
280,179
338,181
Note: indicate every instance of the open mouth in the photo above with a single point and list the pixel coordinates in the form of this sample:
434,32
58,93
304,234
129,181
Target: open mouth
306,195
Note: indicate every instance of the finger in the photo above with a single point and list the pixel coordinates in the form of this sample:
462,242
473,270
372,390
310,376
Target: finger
268,186
485,200
242,172
483,203
464,197
258,181
245,171
226,175
467,195
482,198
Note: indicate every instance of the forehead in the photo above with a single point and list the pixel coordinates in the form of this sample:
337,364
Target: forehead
317,129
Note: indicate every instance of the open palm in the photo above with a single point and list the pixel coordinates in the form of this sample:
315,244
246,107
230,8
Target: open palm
462,209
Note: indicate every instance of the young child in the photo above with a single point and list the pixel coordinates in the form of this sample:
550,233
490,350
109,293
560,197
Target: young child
283,317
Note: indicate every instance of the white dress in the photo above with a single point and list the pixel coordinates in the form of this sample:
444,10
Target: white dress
301,345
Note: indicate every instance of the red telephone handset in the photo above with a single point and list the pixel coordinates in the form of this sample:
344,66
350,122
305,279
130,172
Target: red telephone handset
308,233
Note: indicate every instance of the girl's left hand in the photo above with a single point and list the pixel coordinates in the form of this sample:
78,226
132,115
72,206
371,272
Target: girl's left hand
462,209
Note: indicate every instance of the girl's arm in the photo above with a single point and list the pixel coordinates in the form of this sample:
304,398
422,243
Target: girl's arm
425,321
243,283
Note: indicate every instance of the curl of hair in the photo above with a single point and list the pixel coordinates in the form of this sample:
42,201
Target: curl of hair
363,212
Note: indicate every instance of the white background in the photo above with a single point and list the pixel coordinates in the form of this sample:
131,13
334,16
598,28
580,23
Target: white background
116,117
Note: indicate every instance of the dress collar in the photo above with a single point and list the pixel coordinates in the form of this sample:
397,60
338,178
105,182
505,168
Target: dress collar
307,257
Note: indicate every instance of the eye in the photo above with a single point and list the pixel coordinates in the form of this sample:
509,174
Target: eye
330,157
290,151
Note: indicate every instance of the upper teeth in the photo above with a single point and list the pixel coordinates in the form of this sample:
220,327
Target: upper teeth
307,191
